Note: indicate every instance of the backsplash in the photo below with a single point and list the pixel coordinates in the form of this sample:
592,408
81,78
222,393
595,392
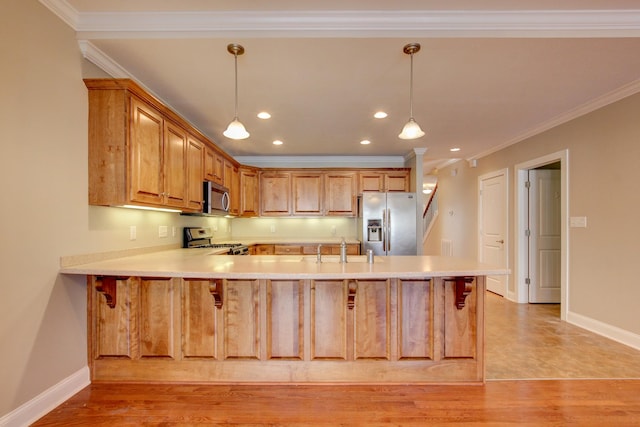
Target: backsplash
293,227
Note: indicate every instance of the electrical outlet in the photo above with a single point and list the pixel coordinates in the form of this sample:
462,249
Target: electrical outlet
214,228
273,228
163,231
333,230
132,232
173,231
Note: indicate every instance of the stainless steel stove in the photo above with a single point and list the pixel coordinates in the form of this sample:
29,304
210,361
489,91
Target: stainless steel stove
200,237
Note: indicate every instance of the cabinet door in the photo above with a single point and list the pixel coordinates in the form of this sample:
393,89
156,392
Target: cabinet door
209,164
306,193
175,165
372,310
371,181
397,181
328,320
340,194
234,191
275,192
195,158
146,151
248,192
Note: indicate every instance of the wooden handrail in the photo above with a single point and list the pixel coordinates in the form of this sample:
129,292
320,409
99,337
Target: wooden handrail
430,200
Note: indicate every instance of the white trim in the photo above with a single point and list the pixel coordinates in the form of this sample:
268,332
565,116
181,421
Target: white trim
608,331
63,10
102,60
46,401
323,161
363,23
591,105
520,213
354,23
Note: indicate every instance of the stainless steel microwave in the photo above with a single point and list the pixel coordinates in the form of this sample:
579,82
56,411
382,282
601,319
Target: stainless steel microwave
215,199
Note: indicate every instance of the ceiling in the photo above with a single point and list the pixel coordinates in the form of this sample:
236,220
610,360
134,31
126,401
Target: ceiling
489,73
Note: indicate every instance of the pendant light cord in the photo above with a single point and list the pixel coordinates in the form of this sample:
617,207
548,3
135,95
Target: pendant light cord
411,89
235,55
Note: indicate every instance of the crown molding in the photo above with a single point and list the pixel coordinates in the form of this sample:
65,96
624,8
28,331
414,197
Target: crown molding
592,105
63,10
322,161
102,60
350,23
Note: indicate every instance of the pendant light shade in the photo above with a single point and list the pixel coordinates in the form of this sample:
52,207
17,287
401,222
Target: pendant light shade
411,130
236,130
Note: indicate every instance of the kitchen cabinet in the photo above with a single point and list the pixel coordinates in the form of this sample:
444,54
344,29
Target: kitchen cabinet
340,193
287,249
195,160
214,166
275,193
248,192
383,180
140,152
263,249
306,193
232,182
316,327
175,165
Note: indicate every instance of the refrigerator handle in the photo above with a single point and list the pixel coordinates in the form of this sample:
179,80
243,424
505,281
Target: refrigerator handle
384,231
388,231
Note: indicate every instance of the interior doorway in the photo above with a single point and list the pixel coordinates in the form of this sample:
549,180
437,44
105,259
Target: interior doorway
521,270
544,234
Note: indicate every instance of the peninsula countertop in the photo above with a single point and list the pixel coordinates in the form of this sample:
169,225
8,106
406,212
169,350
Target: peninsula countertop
206,264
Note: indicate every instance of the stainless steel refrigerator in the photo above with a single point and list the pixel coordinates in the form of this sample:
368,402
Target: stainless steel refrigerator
387,223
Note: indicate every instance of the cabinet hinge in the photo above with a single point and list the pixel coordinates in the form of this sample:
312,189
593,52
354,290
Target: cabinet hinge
527,184
527,233
527,281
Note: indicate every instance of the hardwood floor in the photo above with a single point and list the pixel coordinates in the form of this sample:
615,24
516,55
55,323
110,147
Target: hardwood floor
522,341
521,403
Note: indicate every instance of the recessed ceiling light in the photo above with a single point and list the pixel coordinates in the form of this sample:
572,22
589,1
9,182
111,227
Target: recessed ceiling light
454,149
380,115
277,142
365,142
264,115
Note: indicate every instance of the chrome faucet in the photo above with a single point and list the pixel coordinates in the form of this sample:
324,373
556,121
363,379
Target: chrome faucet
343,251
319,254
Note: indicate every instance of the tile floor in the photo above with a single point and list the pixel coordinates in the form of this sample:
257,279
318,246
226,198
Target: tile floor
528,341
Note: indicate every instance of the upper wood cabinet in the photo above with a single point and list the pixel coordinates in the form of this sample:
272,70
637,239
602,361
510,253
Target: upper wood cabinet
275,193
248,192
214,166
383,180
306,193
340,193
195,167
142,153
232,182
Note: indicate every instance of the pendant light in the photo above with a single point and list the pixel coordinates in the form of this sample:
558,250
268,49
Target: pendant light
411,130
236,130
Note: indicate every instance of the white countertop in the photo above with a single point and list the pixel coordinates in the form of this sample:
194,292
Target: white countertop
204,264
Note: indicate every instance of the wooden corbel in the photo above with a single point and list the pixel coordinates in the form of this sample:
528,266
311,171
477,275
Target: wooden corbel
463,288
107,285
351,296
215,288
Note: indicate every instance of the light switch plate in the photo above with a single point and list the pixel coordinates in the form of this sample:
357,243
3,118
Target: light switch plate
163,231
578,222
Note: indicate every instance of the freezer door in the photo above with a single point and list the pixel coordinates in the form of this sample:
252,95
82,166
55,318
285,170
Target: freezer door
372,228
401,236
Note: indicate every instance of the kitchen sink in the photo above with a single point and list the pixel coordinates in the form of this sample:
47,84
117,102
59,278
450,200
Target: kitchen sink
336,258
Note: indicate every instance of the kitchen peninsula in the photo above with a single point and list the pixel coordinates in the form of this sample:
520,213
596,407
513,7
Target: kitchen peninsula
190,316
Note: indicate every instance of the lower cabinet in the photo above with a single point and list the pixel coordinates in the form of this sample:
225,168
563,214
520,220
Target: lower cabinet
285,330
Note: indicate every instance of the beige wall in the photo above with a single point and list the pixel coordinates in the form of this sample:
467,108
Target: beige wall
45,215
604,151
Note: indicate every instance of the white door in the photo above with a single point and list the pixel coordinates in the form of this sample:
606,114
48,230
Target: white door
544,236
493,227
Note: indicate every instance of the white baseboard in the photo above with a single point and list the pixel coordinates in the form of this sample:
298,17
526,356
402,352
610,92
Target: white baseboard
46,401
612,332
